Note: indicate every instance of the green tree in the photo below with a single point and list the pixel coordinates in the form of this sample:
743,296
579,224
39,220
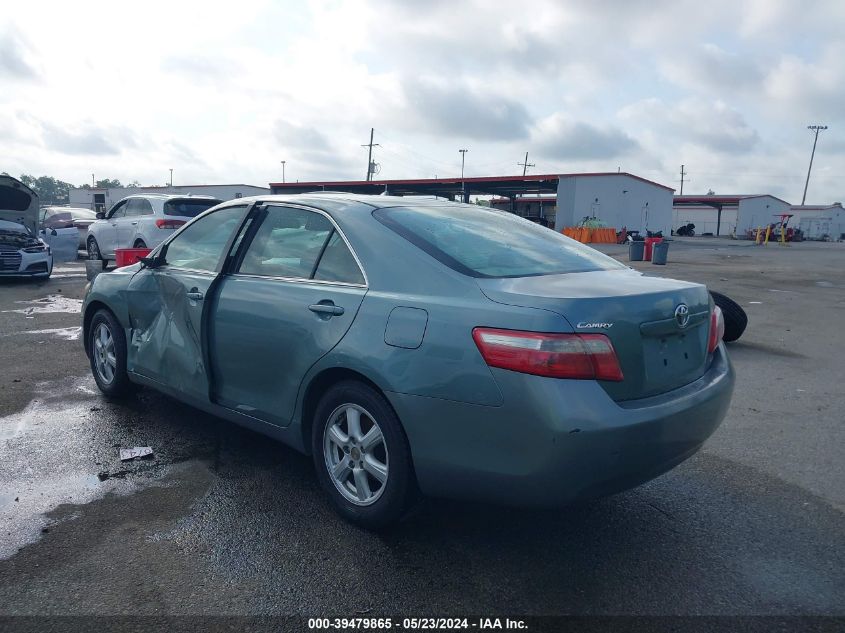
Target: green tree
49,189
109,183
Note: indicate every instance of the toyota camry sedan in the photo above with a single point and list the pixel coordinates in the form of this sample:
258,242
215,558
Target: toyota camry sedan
418,347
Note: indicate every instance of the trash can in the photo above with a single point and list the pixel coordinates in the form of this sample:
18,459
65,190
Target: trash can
635,250
93,267
649,243
129,256
660,253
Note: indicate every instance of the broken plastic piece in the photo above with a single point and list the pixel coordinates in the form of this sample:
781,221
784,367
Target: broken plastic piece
131,453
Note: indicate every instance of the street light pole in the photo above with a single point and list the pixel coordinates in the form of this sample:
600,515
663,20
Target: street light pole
463,156
816,129
171,177
283,170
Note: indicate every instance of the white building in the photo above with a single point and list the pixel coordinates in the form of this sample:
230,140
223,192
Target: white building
727,214
618,199
100,199
818,221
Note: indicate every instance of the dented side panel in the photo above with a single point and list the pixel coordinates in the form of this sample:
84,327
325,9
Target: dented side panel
166,339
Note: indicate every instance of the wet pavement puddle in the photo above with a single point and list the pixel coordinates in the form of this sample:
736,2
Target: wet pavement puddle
50,304
56,451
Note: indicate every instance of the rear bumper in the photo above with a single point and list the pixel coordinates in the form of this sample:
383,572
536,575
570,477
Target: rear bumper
553,442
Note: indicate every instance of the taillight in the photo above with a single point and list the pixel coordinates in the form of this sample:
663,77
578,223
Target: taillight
169,224
577,356
717,329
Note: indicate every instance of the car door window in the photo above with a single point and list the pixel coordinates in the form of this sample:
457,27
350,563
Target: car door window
201,244
338,263
118,211
144,207
287,244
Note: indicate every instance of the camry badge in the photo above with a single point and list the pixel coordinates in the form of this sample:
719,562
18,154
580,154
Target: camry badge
601,326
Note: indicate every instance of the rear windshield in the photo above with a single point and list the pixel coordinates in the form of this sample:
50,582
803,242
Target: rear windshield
188,208
483,242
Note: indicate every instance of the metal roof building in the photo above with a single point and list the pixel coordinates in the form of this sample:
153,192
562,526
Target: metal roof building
102,198
618,198
727,214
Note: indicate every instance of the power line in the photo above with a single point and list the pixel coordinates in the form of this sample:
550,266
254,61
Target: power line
816,129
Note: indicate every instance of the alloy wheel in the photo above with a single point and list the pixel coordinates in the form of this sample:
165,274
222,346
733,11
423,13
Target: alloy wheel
355,454
105,359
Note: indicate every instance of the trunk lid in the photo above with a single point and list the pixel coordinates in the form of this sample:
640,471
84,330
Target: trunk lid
636,312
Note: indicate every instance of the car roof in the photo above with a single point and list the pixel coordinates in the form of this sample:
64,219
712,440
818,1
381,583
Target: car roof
333,197
168,196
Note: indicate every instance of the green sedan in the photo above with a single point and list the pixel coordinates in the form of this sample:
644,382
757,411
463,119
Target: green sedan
418,347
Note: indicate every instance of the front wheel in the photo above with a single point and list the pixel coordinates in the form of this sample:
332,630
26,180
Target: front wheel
94,250
107,351
362,456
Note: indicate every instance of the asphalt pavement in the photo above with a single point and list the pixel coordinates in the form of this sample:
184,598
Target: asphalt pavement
224,521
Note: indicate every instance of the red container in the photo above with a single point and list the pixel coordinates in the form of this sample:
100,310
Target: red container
649,244
129,256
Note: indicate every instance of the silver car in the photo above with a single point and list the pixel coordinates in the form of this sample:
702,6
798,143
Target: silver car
142,221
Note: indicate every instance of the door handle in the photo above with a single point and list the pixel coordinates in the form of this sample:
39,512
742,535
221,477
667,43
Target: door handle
134,223
326,308
194,295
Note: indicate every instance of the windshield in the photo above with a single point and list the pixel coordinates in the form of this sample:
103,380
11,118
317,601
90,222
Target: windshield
188,208
482,242
13,227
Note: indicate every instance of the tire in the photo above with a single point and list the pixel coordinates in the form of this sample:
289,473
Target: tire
691,233
139,244
377,504
736,319
114,383
94,250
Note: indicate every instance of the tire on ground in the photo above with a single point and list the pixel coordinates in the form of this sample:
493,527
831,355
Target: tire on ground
736,319
400,489
120,385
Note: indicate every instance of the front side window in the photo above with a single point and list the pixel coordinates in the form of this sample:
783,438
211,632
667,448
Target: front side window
118,210
483,242
201,244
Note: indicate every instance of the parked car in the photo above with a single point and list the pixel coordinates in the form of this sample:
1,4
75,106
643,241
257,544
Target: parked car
80,218
60,233
415,346
22,252
142,221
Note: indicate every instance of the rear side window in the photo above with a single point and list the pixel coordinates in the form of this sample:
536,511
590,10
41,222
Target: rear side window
187,207
482,242
338,264
287,244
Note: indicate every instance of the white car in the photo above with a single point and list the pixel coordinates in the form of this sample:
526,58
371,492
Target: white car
22,252
142,221
80,219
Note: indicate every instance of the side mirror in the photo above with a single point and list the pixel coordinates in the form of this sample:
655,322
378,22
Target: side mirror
154,261
53,232
100,215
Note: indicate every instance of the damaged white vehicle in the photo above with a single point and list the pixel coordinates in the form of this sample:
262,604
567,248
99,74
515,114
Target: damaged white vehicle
22,252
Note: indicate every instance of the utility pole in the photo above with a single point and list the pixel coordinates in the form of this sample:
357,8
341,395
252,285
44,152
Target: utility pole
463,157
93,182
283,170
683,173
171,177
526,165
816,129
370,145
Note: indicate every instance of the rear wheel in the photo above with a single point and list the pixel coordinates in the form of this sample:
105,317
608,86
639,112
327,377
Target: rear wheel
362,456
736,319
107,345
139,244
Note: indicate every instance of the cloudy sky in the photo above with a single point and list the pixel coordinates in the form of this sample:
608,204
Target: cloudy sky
224,92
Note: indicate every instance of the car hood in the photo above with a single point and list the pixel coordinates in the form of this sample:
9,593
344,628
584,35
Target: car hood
18,203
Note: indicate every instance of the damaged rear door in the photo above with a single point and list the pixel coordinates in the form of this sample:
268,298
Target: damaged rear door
168,304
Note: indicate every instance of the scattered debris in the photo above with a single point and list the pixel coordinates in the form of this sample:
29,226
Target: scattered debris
139,451
120,474
755,302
